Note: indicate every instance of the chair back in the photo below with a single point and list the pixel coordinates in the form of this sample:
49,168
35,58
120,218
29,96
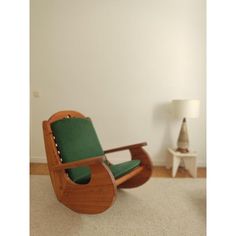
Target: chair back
76,139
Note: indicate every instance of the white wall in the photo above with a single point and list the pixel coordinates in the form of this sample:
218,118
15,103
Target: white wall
121,63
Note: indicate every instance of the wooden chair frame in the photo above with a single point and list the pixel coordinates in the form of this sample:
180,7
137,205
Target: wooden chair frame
100,193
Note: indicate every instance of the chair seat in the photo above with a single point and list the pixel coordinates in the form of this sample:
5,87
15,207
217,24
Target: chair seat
118,170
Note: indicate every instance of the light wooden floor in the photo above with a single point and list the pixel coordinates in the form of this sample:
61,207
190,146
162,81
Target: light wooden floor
158,171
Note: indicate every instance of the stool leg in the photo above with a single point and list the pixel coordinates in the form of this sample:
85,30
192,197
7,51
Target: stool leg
191,165
169,161
176,162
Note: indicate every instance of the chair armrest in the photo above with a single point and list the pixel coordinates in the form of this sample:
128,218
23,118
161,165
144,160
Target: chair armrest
74,164
129,147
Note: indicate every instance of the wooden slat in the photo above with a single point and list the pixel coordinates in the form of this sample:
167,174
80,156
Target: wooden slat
73,164
128,176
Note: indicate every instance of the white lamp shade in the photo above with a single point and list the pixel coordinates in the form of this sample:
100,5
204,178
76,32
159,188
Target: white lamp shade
186,108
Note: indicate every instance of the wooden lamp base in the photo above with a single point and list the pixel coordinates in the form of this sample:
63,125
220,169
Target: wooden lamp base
183,141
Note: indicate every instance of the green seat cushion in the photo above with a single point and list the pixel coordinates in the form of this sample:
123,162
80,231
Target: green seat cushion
77,140
121,169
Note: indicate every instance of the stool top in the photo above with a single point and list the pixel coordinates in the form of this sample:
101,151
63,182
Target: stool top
180,154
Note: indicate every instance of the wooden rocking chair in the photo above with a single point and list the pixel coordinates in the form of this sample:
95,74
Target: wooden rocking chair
82,178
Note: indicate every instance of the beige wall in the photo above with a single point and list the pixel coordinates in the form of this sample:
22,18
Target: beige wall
121,63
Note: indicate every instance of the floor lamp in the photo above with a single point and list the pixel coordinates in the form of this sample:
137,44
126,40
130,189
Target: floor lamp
185,109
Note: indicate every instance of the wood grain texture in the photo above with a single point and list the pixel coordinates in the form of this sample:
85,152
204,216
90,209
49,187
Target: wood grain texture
100,193
94,197
64,114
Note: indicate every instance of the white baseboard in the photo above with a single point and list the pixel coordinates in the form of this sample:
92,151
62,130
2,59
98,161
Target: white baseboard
36,159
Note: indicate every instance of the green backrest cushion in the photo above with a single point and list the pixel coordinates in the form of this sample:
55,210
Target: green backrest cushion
76,139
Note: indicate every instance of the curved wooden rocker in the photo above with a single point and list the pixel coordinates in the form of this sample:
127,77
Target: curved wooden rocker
88,183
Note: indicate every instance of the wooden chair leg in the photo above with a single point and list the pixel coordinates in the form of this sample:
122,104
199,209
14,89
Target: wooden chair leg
94,197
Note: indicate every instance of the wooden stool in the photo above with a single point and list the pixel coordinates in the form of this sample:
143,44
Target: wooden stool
190,161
